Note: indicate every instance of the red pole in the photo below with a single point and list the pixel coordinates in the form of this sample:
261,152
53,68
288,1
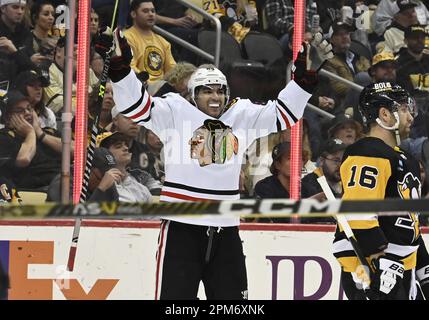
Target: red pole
82,96
296,130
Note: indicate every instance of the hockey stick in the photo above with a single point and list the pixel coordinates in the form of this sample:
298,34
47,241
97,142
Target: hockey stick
89,158
342,221
88,164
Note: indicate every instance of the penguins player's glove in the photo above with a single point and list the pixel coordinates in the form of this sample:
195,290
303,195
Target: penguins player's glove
387,278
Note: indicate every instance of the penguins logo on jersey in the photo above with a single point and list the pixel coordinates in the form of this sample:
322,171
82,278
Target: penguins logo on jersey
153,61
213,142
409,187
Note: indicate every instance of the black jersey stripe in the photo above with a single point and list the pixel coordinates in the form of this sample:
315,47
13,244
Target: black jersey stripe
295,119
135,105
200,190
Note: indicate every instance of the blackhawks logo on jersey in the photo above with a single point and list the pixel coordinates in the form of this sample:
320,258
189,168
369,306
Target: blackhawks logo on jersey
213,142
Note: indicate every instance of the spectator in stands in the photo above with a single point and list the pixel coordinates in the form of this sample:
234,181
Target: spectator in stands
43,18
94,23
142,156
176,80
104,175
53,94
237,17
175,18
109,182
329,166
394,34
135,185
96,63
413,62
277,185
386,10
258,161
345,63
151,52
413,72
33,153
105,116
383,68
15,40
259,157
101,180
344,128
280,17
31,83
153,155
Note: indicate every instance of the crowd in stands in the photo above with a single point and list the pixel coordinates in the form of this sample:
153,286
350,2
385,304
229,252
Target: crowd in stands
373,40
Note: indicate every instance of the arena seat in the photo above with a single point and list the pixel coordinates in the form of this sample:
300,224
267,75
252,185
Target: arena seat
230,49
262,47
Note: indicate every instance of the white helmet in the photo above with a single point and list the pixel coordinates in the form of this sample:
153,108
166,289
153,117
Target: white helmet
205,76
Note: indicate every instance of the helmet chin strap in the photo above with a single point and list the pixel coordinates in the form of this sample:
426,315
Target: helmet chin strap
395,127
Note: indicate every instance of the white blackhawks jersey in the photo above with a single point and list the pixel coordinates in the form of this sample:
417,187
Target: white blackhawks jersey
203,155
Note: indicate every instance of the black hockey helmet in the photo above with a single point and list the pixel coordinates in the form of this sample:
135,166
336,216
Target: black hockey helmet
382,94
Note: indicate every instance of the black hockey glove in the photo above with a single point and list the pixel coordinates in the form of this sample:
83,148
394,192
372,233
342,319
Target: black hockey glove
306,79
310,59
104,42
115,43
387,278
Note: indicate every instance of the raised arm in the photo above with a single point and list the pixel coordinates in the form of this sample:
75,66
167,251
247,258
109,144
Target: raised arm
129,93
290,104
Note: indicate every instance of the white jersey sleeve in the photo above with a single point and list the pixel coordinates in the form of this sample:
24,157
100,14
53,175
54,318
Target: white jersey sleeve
134,102
276,115
282,113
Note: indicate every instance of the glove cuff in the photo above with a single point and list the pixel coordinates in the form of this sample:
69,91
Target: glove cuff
422,274
391,265
117,75
308,81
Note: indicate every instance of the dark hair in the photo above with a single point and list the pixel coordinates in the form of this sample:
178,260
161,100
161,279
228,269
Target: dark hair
39,107
113,139
277,153
36,8
135,4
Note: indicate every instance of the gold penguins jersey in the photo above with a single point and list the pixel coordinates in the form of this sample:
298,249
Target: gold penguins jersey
371,169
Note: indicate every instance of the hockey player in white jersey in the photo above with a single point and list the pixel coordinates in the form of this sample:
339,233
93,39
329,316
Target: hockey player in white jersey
204,142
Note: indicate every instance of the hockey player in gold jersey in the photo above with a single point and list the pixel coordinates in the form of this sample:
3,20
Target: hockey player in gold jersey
376,168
